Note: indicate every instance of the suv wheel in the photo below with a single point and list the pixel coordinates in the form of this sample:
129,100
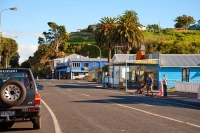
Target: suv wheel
37,123
12,92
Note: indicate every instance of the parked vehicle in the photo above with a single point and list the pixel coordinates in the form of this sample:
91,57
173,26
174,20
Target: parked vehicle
19,98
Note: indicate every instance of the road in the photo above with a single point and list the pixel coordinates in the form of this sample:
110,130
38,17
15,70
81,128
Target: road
78,107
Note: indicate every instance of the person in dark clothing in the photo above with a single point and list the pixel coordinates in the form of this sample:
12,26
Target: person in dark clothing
149,84
165,81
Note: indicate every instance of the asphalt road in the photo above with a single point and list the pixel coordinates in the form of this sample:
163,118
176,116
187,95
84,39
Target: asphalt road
79,107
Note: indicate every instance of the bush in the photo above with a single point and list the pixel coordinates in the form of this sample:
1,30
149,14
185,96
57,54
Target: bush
94,79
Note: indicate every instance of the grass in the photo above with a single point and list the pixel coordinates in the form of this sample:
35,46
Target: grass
170,89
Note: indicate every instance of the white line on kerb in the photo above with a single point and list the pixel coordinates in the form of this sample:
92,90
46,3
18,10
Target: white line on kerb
84,94
168,118
55,121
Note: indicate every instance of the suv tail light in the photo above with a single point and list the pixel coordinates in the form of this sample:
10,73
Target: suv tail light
37,99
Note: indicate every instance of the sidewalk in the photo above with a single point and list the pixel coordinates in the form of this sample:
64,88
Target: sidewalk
181,96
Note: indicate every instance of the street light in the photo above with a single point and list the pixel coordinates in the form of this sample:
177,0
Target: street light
99,52
13,8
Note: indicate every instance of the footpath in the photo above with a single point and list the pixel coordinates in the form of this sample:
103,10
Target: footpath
181,96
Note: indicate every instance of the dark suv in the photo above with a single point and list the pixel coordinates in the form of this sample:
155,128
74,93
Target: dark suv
19,98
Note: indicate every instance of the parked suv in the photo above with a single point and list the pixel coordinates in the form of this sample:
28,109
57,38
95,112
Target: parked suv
19,98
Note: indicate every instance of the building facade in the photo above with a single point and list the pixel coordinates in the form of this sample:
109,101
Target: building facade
177,67
75,66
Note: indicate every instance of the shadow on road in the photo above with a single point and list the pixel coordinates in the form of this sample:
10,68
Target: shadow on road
144,100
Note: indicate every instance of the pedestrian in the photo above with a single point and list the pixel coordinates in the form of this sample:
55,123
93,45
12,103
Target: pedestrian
160,93
165,81
149,84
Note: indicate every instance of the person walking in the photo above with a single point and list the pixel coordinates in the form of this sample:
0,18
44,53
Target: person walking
149,84
165,81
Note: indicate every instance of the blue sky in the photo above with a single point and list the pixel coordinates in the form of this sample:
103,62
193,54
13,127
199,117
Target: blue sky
32,16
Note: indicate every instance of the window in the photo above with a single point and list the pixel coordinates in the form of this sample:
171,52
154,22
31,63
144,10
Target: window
76,64
76,74
185,74
94,63
85,64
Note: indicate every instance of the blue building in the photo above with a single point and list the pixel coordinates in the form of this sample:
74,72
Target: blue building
75,66
177,67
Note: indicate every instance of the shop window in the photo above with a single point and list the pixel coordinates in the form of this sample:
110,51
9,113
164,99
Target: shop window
76,74
85,64
185,74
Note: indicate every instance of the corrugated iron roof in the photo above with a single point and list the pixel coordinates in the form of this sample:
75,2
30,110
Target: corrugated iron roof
88,59
180,60
122,57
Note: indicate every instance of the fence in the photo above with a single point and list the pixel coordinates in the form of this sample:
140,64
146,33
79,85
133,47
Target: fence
187,87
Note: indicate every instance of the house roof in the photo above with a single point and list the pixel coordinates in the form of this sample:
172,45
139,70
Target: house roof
76,57
165,60
88,59
123,57
180,60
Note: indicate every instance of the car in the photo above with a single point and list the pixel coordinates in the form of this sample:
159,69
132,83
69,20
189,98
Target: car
20,100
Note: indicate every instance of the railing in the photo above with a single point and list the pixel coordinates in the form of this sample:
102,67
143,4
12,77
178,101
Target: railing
187,87
171,83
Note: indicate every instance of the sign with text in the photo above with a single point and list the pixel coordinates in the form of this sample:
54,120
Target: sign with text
145,61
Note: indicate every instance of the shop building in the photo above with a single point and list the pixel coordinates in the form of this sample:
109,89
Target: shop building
133,71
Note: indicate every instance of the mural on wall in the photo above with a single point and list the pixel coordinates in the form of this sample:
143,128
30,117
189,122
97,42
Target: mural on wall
197,74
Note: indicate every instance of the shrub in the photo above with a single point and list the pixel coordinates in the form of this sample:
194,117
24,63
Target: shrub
94,79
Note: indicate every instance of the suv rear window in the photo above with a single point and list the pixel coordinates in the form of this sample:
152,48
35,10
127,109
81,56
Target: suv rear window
8,74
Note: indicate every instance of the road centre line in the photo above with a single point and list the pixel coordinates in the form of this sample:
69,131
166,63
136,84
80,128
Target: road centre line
55,121
164,117
85,95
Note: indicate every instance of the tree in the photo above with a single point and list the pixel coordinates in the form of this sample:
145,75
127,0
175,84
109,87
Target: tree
184,21
9,49
90,28
55,36
128,33
14,61
103,33
154,27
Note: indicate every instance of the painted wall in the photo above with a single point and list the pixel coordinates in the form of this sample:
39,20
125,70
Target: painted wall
175,74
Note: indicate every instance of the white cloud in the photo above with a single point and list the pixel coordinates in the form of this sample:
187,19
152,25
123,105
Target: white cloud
25,51
16,33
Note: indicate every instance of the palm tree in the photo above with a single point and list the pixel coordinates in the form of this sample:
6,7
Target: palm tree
103,33
128,31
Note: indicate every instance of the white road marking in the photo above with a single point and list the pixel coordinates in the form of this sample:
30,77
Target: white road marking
85,95
168,118
55,121
146,104
49,83
69,90
116,92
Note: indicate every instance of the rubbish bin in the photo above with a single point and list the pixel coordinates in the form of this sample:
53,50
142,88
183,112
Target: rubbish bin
121,85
